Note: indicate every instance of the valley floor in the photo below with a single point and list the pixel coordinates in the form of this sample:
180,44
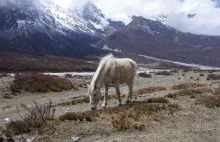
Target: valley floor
191,122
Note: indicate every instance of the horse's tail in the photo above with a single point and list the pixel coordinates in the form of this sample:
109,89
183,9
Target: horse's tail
134,68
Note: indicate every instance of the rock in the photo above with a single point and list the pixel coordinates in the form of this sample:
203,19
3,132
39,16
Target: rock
7,119
30,139
6,106
75,139
10,140
1,139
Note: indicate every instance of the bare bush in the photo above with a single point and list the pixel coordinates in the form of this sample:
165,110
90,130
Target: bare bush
35,118
37,115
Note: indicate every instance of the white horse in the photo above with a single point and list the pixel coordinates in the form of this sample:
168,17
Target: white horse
111,71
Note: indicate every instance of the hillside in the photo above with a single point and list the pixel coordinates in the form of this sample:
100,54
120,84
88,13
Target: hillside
152,38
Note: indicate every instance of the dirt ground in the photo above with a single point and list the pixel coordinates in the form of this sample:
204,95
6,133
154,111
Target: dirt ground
191,123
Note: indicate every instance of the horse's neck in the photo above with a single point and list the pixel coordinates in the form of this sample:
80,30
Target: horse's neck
99,76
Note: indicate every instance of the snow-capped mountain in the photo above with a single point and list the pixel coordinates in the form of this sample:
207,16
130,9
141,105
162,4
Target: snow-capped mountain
41,26
159,18
152,38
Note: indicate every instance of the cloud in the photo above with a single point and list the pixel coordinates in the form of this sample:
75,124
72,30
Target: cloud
207,20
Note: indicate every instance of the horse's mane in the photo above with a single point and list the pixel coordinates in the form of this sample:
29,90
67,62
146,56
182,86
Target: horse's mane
101,66
104,59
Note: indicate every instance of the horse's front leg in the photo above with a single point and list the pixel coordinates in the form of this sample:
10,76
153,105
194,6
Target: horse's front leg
105,97
118,93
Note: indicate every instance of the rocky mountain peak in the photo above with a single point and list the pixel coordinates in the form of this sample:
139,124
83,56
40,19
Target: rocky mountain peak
91,12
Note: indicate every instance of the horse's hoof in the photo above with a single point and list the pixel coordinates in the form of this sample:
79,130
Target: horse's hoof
103,107
127,102
120,105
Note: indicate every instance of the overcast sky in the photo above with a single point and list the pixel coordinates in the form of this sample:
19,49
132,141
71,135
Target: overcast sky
207,20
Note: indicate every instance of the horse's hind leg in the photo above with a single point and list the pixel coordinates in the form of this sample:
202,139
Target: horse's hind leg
118,93
130,87
105,96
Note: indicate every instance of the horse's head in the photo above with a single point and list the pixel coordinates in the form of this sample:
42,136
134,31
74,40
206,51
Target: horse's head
94,95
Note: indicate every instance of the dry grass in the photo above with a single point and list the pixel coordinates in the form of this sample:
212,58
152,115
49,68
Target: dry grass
184,93
187,86
129,118
213,76
123,118
36,82
217,91
165,73
144,75
209,101
149,90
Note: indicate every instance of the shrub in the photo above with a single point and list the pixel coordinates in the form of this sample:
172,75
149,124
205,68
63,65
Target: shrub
68,116
217,91
121,122
81,100
186,92
166,73
158,100
187,86
201,74
68,75
148,90
75,116
36,82
16,128
213,77
144,75
209,101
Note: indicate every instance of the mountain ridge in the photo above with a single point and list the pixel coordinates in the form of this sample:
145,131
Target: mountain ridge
152,38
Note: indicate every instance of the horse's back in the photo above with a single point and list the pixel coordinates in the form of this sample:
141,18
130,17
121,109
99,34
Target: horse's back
122,70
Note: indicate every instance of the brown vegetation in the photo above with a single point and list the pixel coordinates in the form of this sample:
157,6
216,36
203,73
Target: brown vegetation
158,100
184,93
209,101
13,62
36,82
148,90
213,77
187,86
217,91
166,73
144,75
123,118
